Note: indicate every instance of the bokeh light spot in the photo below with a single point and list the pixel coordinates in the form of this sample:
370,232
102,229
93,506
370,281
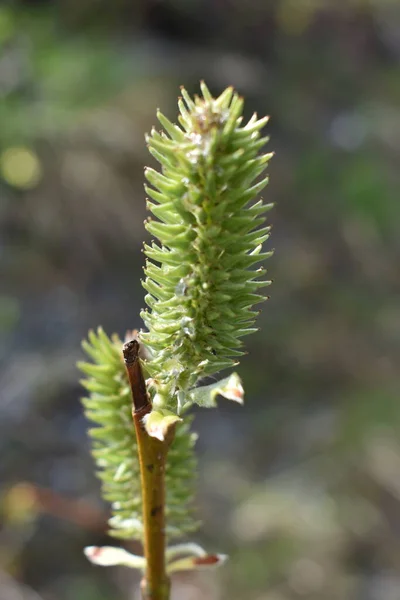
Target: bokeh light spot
20,167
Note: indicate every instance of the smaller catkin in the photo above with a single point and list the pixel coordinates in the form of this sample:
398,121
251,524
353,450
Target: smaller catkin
114,448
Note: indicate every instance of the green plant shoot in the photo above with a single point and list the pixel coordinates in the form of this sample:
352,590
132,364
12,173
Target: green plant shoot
203,280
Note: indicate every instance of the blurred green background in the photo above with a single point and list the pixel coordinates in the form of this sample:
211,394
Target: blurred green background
301,487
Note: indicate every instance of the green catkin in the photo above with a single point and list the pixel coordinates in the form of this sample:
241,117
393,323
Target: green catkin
114,448
202,283
199,277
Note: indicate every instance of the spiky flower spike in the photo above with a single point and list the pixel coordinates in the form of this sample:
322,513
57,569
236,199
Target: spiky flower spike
201,280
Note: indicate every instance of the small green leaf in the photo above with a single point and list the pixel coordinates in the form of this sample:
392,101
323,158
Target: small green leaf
159,424
230,388
190,563
108,556
190,548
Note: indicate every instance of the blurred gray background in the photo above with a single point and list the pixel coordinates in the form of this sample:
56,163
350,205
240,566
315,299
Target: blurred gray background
301,487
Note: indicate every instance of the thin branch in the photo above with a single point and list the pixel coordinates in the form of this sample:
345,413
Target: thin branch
136,380
152,457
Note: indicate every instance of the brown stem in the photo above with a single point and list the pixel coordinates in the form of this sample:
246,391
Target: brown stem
152,456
